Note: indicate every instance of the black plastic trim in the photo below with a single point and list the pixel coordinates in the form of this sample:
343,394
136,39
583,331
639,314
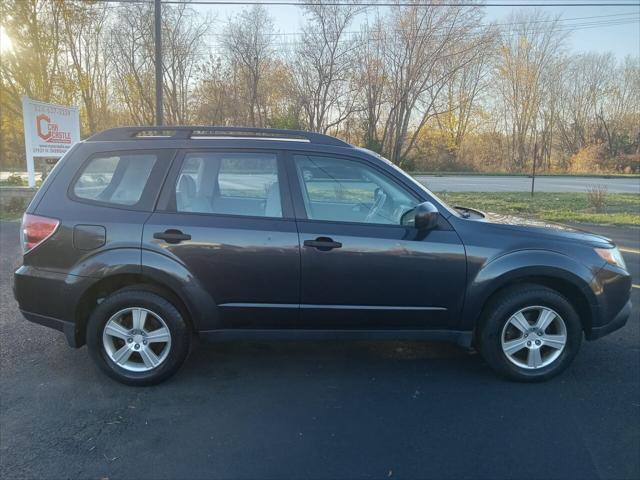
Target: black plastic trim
462,338
68,328
617,323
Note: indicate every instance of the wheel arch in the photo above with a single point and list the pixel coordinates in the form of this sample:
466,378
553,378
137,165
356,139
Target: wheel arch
159,273
555,271
108,285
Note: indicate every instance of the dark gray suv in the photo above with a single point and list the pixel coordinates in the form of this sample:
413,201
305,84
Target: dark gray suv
142,237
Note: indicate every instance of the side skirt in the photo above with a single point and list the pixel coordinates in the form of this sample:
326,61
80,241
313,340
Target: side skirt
462,338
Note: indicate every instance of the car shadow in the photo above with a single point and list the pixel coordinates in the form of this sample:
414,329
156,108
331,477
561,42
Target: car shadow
331,359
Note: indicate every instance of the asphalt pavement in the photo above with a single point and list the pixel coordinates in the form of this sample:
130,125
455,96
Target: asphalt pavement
497,183
570,184
330,410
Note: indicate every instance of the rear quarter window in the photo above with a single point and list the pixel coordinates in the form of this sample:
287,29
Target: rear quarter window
117,179
121,179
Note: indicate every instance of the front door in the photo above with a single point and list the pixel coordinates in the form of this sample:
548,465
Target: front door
361,269
229,221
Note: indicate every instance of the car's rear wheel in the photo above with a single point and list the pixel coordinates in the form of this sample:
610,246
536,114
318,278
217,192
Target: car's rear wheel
530,333
137,337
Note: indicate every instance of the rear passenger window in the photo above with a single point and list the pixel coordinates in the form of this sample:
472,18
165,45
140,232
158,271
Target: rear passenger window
119,179
229,183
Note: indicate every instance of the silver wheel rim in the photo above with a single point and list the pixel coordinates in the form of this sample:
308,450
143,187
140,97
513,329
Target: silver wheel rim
534,337
136,339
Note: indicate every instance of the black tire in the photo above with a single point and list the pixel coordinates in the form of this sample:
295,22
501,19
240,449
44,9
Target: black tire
508,303
126,298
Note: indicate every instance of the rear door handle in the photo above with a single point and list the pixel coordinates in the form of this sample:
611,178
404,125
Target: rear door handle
322,243
172,236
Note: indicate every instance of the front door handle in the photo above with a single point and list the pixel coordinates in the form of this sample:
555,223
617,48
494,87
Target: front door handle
322,243
172,236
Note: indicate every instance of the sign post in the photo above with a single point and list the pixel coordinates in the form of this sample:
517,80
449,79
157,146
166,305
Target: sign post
49,131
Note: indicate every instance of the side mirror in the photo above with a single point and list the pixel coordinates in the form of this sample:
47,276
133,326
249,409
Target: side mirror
426,216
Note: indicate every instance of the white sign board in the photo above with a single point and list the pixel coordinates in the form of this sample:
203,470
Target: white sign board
49,131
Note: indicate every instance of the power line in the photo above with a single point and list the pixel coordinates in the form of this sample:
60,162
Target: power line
629,18
296,43
369,3
561,28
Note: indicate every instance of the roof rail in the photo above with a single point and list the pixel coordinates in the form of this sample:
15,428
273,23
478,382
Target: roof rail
208,132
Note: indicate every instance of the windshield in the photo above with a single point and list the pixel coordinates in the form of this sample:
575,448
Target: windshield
438,200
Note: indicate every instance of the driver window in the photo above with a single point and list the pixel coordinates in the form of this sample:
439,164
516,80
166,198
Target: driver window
342,190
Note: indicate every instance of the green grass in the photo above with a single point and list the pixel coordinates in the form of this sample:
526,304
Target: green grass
621,208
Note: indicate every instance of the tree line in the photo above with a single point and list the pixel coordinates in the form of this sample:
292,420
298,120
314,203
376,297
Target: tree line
430,88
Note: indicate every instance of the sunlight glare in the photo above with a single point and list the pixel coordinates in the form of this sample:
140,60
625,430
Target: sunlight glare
5,41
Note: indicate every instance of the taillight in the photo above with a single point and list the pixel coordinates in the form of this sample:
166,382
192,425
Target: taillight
36,229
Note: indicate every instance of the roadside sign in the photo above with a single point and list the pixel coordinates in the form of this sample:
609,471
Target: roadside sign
49,131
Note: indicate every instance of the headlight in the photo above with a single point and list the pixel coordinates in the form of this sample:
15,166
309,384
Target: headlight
612,256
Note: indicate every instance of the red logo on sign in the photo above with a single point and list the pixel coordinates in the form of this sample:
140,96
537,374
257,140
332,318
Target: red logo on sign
49,131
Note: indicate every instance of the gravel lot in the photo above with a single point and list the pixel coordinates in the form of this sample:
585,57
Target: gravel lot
315,409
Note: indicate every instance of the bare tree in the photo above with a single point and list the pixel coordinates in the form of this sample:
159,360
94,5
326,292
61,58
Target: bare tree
619,113
212,93
248,43
182,46
546,124
84,28
35,66
527,51
425,48
131,52
372,77
468,80
419,81
585,82
323,66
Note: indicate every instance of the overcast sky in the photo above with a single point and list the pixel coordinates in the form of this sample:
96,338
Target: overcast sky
620,38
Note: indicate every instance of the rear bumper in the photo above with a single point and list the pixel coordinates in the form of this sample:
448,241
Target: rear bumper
616,323
68,328
50,299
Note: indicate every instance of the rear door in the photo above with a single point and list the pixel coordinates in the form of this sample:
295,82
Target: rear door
102,199
227,216
362,269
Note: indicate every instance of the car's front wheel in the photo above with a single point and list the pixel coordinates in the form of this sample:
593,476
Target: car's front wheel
137,337
530,333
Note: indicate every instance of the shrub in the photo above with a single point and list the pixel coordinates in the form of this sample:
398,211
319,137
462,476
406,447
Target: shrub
597,198
589,159
628,163
15,180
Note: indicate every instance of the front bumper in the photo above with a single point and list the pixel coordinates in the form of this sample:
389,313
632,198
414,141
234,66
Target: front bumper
612,290
617,323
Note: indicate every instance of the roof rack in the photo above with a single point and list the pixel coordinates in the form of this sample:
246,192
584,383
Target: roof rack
213,132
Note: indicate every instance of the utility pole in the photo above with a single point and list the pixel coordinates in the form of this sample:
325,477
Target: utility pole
158,60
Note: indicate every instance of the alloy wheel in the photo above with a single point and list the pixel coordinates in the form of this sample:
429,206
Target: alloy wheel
534,337
136,339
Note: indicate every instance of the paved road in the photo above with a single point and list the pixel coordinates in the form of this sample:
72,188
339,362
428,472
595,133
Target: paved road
315,410
473,183
523,184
